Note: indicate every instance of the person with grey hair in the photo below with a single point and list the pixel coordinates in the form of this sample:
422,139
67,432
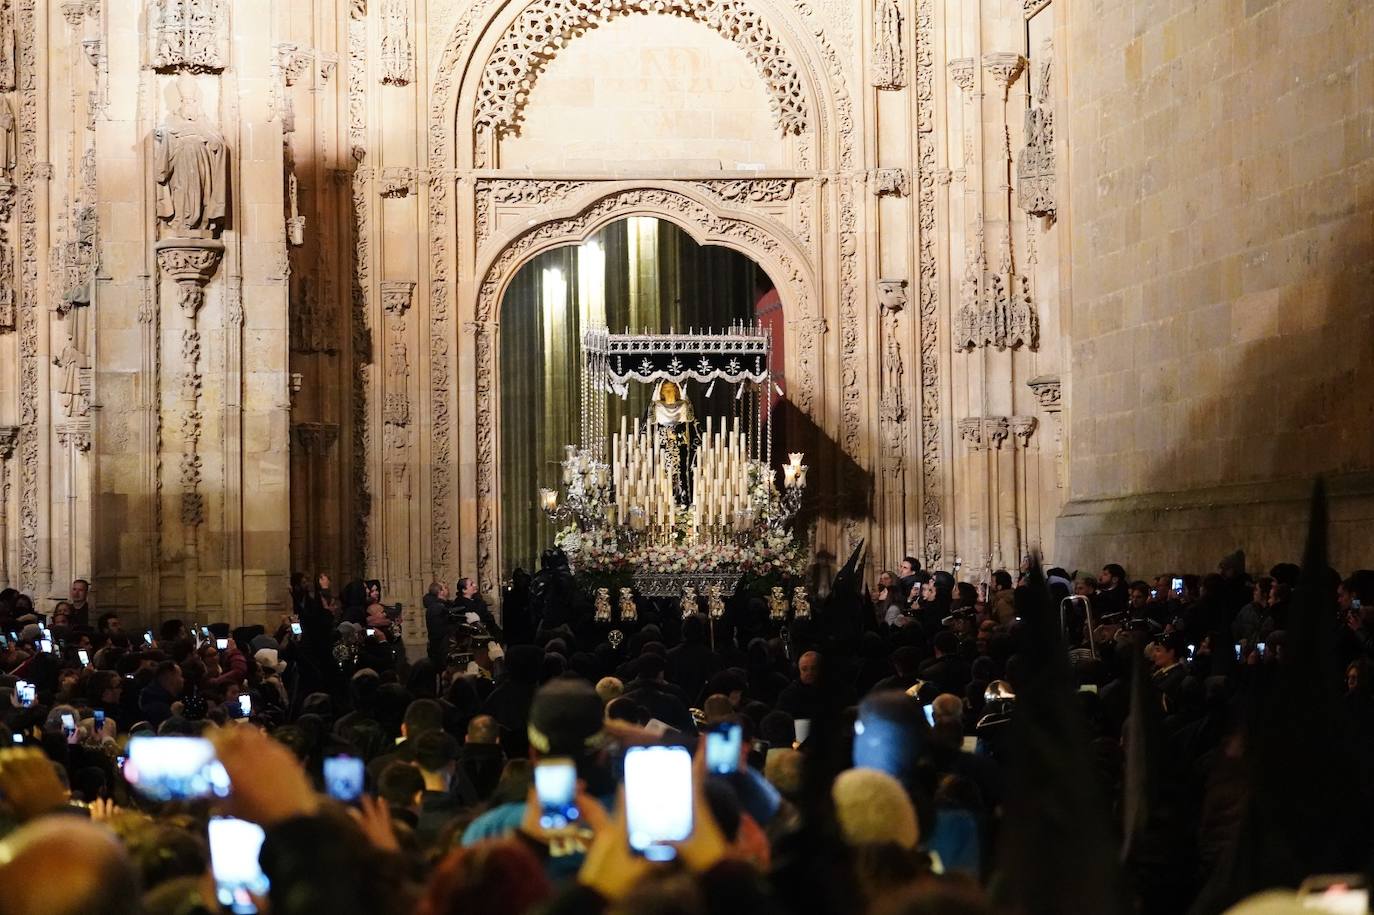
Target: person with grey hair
63,865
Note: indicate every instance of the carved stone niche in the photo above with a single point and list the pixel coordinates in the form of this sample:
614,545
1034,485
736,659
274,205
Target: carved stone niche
190,36
190,262
1035,168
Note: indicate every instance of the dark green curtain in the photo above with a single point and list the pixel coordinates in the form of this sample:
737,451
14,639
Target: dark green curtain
656,278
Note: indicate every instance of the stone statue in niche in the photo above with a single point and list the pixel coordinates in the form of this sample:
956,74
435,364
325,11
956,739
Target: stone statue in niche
190,166
70,362
9,151
889,67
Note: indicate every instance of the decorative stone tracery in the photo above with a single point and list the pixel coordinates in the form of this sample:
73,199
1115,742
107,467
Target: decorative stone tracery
545,25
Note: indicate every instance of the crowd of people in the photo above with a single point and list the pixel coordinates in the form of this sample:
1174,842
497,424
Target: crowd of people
1040,742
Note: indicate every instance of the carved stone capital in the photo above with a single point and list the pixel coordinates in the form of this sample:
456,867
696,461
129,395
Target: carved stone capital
316,438
397,181
75,434
329,62
961,72
1004,67
892,296
397,296
293,61
74,11
9,437
971,431
1046,390
190,262
890,182
996,429
1023,427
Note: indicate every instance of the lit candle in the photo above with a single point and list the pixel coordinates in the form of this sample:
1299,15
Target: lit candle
548,499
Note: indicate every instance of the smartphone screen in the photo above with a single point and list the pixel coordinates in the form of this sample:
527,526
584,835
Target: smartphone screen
722,749
1238,651
1176,586
1260,647
222,644
68,722
205,632
555,783
234,849
245,704
17,738
84,656
27,693
295,628
930,714
371,632
343,778
1192,649
801,728
658,800
148,637
99,718
175,768
45,646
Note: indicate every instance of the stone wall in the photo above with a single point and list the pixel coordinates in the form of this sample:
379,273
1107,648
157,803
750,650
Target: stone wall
1222,207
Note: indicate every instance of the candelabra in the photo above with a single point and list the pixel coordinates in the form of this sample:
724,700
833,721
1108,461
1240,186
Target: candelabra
588,482
793,484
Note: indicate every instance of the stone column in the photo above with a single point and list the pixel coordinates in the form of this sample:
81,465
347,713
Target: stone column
9,435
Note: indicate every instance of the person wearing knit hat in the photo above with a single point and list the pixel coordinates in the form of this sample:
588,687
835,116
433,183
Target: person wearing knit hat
268,661
873,808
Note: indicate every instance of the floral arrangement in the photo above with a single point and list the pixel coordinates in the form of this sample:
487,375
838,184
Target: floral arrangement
609,556
762,557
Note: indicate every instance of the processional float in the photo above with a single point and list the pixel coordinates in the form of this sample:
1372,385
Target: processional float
672,501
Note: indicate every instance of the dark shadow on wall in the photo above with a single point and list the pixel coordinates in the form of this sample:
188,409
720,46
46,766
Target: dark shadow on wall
838,487
1300,401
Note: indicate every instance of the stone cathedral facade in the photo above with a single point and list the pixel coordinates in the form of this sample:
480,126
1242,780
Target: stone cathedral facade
252,254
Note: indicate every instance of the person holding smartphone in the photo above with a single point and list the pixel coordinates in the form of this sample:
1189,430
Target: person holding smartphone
1169,668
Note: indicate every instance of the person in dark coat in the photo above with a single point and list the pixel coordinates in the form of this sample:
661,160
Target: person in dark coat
436,622
692,662
947,671
155,702
662,700
509,702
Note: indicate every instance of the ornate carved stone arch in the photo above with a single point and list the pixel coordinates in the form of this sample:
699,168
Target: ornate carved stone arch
695,213
535,36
